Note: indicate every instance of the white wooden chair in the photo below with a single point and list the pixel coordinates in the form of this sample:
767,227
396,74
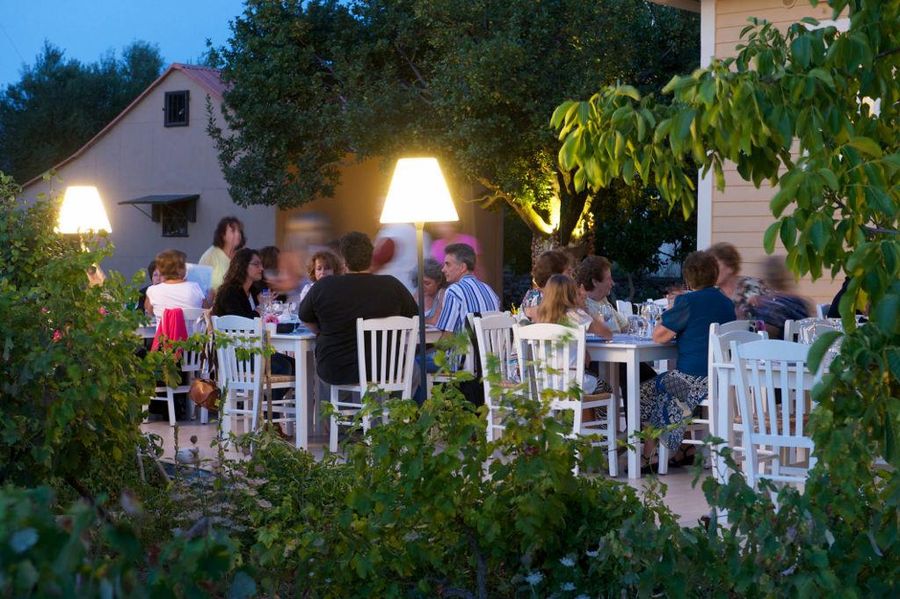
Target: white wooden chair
624,308
495,335
189,364
722,400
769,423
242,379
553,356
822,310
388,366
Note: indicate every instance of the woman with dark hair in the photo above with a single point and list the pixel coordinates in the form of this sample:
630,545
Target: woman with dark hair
237,295
551,262
671,397
227,239
434,284
237,298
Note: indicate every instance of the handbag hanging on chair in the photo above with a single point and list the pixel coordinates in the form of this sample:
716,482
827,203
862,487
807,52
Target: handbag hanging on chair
205,391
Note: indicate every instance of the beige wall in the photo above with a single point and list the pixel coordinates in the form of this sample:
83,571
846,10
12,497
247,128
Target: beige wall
357,203
138,156
740,214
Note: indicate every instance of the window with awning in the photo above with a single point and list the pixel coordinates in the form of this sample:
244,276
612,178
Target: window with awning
172,211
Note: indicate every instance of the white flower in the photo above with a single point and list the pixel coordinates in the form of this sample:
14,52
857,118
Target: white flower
567,561
534,578
568,586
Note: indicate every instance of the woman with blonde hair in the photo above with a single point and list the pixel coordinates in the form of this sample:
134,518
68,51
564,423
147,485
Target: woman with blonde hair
560,305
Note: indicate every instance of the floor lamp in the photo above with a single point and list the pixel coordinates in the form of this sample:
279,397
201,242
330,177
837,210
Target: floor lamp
418,194
81,213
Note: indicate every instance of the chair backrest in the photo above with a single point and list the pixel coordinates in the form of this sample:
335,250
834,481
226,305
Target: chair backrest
235,372
734,325
624,308
496,337
664,302
772,381
386,352
552,355
822,310
194,322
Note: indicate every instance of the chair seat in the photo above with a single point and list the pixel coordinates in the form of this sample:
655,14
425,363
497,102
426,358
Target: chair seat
280,378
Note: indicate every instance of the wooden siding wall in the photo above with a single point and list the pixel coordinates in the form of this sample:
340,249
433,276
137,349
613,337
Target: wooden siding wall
741,213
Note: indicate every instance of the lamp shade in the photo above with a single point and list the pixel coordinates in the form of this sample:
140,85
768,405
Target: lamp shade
418,194
82,211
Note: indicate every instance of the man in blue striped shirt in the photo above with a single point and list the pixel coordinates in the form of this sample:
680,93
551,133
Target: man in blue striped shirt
466,294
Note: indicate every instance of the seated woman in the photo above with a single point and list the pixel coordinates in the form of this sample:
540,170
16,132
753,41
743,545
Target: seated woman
551,262
322,264
560,306
594,279
433,287
236,297
739,289
671,397
174,291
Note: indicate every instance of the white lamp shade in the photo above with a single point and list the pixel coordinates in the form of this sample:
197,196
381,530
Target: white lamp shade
82,211
418,194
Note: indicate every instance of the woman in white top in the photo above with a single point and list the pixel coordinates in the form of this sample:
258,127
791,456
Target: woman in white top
228,238
173,291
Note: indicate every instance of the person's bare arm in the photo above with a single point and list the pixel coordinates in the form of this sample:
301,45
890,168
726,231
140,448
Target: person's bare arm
662,335
599,328
312,327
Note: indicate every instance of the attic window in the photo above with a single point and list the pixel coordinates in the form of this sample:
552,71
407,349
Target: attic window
176,108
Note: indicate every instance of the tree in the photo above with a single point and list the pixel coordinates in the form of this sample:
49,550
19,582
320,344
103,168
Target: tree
60,104
813,111
470,82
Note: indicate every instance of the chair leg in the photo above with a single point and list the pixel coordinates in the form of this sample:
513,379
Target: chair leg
663,465
613,454
170,402
489,433
333,436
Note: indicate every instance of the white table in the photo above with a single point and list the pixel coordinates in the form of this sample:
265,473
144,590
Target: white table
301,344
631,351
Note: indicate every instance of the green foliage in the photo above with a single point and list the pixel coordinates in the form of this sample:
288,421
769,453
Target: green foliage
793,109
58,105
469,82
71,384
75,555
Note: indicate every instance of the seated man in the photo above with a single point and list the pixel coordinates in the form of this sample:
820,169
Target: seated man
334,303
466,294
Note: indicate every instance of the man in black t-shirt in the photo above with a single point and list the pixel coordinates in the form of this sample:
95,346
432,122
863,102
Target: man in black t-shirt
333,304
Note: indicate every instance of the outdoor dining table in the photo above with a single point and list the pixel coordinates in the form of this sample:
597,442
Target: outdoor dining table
300,343
631,351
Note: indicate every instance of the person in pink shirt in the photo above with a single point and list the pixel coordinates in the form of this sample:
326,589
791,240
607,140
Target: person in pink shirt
448,234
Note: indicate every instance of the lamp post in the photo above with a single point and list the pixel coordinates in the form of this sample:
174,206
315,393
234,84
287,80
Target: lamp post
418,194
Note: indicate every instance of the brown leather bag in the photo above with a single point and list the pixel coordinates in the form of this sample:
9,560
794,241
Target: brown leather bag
205,393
